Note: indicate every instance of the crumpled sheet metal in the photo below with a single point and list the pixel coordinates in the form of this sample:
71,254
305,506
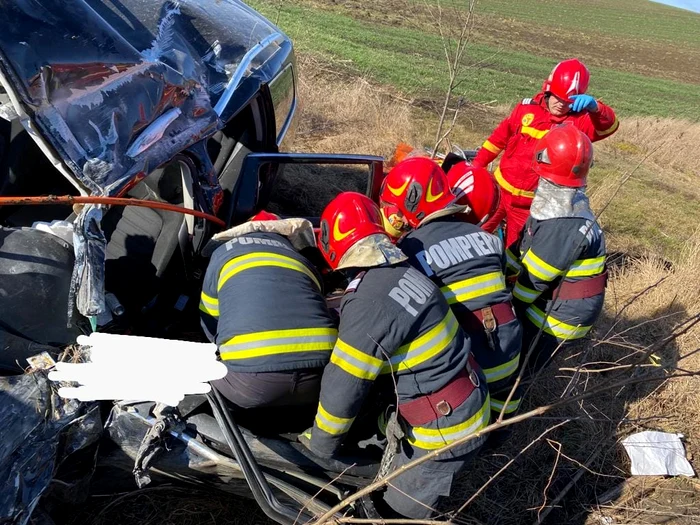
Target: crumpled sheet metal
117,100
300,232
39,430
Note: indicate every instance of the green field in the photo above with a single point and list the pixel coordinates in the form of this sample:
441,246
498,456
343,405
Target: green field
393,47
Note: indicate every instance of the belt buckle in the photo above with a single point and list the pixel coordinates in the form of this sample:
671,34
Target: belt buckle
489,320
443,408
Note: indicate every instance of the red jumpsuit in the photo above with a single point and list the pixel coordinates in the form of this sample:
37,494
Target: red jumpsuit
517,136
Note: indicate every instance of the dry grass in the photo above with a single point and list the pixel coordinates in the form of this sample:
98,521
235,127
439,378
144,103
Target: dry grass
640,135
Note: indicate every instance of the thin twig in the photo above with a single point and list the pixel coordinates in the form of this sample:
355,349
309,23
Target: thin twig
549,480
505,467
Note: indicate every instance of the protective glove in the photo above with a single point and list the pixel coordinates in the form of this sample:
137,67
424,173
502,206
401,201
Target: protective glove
583,103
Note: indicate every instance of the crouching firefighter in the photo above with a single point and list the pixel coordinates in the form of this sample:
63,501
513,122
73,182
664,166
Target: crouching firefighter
561,286
441,239
262,305
396,328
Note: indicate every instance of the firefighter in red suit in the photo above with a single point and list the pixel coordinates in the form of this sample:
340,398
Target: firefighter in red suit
563,99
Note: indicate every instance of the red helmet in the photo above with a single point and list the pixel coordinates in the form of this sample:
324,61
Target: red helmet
568,78
265,216
564,156
476,188
347,219
415,187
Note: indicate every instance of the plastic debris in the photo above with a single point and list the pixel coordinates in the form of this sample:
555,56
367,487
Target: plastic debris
657,454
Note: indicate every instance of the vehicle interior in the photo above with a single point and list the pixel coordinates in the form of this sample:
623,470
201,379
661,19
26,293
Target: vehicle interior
154,271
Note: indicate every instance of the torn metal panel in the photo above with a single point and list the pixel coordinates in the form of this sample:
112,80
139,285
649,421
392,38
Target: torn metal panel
39,431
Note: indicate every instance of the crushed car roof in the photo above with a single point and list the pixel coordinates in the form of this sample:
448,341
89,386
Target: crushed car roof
117,88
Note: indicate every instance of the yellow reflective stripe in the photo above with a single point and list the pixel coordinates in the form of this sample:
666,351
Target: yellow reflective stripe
512,261
259,259
497,405
274,342
539,267
434,438
425,347
587,267
500,372
533,132
553,326
209,305
610,130
503,183
355,362
332,424
474,287
525,294
488,145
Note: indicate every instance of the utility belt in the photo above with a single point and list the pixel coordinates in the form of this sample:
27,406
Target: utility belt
423,410
487,320
582,289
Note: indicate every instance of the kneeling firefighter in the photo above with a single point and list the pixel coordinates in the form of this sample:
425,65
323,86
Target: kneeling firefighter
397,329
561,286
262,305
442,240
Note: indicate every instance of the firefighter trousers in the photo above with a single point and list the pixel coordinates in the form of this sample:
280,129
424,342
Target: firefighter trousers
515,210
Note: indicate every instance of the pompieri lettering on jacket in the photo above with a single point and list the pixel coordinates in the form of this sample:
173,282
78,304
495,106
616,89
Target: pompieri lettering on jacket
249,239
455,250
412,289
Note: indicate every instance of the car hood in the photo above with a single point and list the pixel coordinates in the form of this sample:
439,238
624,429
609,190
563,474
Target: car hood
110,89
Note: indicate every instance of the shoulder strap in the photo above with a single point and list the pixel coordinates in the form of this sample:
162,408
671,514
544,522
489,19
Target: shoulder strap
352,286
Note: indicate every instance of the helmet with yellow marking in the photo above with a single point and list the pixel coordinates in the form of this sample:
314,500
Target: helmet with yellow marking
347,219
414,189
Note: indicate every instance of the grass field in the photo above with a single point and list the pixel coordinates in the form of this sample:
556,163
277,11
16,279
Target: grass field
394,43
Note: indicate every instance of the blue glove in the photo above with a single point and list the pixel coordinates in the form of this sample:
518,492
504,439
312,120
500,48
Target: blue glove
583,102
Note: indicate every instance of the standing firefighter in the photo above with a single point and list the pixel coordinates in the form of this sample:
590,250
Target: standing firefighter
262,305
563,99
459,257
397,329
561,286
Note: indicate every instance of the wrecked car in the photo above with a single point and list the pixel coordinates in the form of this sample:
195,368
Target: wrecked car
181,107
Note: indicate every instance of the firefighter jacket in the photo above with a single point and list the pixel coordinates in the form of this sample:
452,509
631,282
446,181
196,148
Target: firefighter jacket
517,137
395,322
556,252
262,305
467,264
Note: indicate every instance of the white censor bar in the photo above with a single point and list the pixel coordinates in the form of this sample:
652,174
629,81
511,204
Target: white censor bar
123,367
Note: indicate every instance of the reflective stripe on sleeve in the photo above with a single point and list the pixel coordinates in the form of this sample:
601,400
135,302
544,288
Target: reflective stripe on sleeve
562,331
512,262
273,342
497,406
260,259
209,305
503,183
488,145
587,267
474,287
610,130
434,438
355,362
425,347
525,294
497,373
331,424
539,267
